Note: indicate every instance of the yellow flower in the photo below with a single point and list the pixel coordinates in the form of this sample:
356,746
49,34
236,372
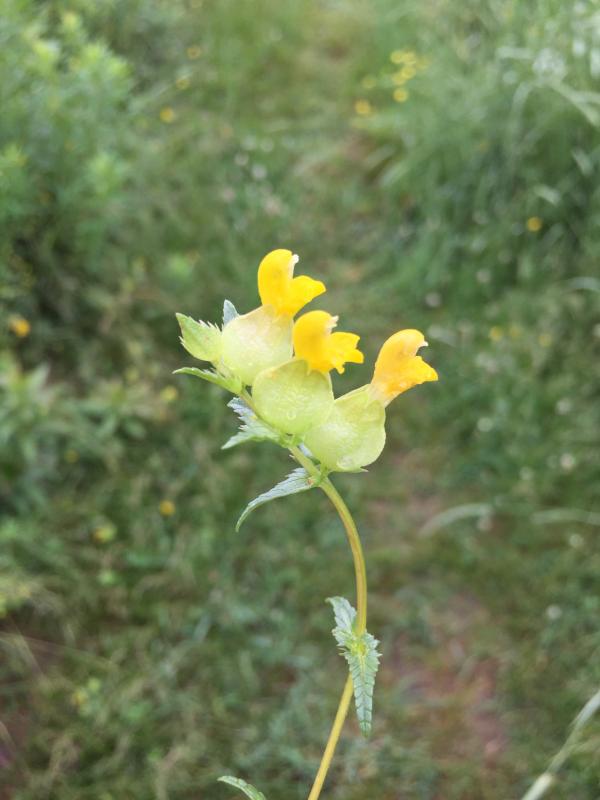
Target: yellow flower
398,368
262,338
323,350
353,433
534,224
167,115
105,533
403,57
71,456
496,333
400,95
166,508
168,394
368,82
182,82
278,288
194,52
363,108
19,326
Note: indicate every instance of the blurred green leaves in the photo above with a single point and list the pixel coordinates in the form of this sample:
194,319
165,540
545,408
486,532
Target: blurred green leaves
112,219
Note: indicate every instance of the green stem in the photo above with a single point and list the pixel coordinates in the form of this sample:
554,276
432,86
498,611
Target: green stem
547,779
361,600
361,610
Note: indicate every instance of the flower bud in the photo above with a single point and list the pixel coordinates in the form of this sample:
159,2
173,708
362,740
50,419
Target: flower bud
256,341
292,397
354,433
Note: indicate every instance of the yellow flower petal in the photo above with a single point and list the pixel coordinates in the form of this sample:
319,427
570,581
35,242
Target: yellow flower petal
278,288
534,224
398,368
166,508
363,108
167,115
19,326
323,350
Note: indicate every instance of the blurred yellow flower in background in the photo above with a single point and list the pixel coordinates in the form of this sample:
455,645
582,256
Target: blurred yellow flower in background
105,533
168,394
400,95
403,57
363,108
166,508
182,82
167,115
408,72
19,326
194,52
534,224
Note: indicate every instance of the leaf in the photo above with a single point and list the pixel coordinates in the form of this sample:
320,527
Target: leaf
360,652
246,788
201,339
251,427
296,481
231,384
229,312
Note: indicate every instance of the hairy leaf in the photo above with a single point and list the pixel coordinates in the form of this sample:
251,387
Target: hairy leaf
246,788
360,652
231,384
201,339
229,312
297,481
251,427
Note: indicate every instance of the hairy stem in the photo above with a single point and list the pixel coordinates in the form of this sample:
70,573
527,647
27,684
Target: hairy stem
361,611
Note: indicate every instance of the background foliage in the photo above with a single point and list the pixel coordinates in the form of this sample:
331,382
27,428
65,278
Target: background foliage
437,165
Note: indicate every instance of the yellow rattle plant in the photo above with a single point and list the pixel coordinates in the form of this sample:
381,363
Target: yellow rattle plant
279,371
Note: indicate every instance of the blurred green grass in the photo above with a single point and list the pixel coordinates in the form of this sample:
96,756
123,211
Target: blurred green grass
150,154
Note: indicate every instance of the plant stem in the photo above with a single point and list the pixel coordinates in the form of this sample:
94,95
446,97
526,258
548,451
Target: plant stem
547,779
361,611
334,735
361,601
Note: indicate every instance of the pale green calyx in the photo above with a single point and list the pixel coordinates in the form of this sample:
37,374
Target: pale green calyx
292,397
256,341
201,339
353,434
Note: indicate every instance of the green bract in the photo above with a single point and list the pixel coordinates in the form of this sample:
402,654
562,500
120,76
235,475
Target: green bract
293,398
256,341
353,434
201,339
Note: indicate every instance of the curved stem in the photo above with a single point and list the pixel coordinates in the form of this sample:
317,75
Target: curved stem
357,553
361,611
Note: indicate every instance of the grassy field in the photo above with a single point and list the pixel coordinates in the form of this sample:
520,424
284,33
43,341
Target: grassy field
437,165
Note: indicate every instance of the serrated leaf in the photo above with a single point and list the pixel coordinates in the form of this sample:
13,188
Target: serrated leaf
230,384
249,790
344,615
252,429
201,339
360,652
297,481
229,312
